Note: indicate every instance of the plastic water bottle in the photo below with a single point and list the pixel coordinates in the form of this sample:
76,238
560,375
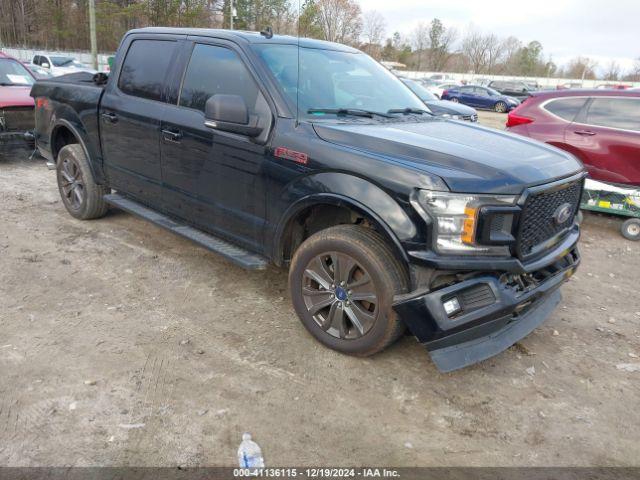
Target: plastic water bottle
249,453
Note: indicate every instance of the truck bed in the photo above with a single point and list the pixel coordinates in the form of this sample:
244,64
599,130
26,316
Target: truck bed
74,97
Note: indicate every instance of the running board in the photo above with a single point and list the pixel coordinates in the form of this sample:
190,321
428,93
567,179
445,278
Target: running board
236,254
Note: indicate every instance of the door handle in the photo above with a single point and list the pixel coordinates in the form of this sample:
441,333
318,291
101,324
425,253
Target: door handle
171,135
586,133
110,117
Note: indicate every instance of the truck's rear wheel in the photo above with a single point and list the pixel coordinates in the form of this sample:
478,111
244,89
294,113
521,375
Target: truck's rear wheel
81,196
342,282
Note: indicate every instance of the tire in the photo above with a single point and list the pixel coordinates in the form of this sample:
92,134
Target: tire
81,195
357,319
454,100
631,229
500,107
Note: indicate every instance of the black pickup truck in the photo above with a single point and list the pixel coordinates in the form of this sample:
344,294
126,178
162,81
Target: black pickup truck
307,154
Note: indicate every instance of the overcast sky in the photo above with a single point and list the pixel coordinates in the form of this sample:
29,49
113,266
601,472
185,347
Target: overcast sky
602,30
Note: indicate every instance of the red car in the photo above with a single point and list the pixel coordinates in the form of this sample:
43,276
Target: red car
16,106
600,127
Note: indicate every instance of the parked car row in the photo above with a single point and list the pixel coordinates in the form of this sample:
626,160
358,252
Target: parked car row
439,107
600,127
481,97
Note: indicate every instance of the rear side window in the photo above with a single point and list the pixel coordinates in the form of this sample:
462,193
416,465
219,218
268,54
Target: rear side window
145,68
622,113
214,70
565,108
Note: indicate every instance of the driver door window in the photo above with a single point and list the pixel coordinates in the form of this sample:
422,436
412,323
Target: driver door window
216,70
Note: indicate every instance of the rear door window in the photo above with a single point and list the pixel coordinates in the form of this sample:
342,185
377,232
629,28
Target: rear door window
145,68
565,108
621,113
216,70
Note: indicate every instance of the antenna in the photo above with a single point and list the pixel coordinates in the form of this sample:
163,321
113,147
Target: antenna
298,76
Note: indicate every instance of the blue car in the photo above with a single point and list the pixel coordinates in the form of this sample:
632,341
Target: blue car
481,97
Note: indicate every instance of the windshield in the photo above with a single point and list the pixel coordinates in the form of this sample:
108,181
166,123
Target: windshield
14,73
61,61
422,93
332,80
493,93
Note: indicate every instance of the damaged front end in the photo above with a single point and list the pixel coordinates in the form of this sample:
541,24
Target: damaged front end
466,321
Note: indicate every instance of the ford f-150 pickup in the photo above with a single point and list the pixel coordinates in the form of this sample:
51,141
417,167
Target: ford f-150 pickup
311,155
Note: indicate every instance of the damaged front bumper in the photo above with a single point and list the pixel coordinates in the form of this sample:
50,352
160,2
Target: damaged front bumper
494,310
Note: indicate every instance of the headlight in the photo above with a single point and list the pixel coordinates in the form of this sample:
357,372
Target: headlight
455,219
448,115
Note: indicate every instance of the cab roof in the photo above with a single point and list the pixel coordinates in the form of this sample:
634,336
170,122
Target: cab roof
248,37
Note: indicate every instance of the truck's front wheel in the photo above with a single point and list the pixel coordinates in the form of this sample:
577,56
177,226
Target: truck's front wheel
82,197
342,281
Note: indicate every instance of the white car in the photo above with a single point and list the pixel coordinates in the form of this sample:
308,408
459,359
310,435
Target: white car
438,89
61,65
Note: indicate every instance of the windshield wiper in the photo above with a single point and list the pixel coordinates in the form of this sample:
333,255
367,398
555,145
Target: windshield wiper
408,110
356,112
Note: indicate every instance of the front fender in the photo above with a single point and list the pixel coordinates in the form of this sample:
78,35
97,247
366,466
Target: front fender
345,190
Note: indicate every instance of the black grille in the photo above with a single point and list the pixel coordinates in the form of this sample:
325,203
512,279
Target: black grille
537,222
476,297
17,119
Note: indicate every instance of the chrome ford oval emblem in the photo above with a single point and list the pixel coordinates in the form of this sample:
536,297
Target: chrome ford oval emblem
563,213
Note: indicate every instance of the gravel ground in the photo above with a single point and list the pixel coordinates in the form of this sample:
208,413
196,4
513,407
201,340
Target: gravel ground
123,344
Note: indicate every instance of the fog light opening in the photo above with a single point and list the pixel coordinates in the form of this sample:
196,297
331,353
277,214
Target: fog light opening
452,306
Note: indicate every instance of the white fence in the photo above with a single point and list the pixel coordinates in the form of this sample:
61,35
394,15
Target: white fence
26,55
544,82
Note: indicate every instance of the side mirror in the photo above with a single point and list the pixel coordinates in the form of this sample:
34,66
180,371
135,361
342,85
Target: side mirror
45,65
229,113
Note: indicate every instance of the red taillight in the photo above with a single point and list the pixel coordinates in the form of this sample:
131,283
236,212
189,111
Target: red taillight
514,119
42,102
445,92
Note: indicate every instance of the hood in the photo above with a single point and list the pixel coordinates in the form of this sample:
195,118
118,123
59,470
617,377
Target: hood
15,97
445,106
468,157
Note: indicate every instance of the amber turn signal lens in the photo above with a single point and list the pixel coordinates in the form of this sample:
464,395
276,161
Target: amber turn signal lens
469,225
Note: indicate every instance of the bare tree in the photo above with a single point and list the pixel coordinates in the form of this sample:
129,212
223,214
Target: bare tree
475,48
581,67
634,74
373,32
495,50
511,49
420,41
340,20
612,71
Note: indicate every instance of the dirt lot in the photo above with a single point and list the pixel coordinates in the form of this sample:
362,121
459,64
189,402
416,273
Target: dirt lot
123,344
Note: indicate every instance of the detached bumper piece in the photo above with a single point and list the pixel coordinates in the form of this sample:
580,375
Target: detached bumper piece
475,319
11,140
16,125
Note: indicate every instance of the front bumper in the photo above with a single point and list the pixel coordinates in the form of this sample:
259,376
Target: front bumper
495,314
